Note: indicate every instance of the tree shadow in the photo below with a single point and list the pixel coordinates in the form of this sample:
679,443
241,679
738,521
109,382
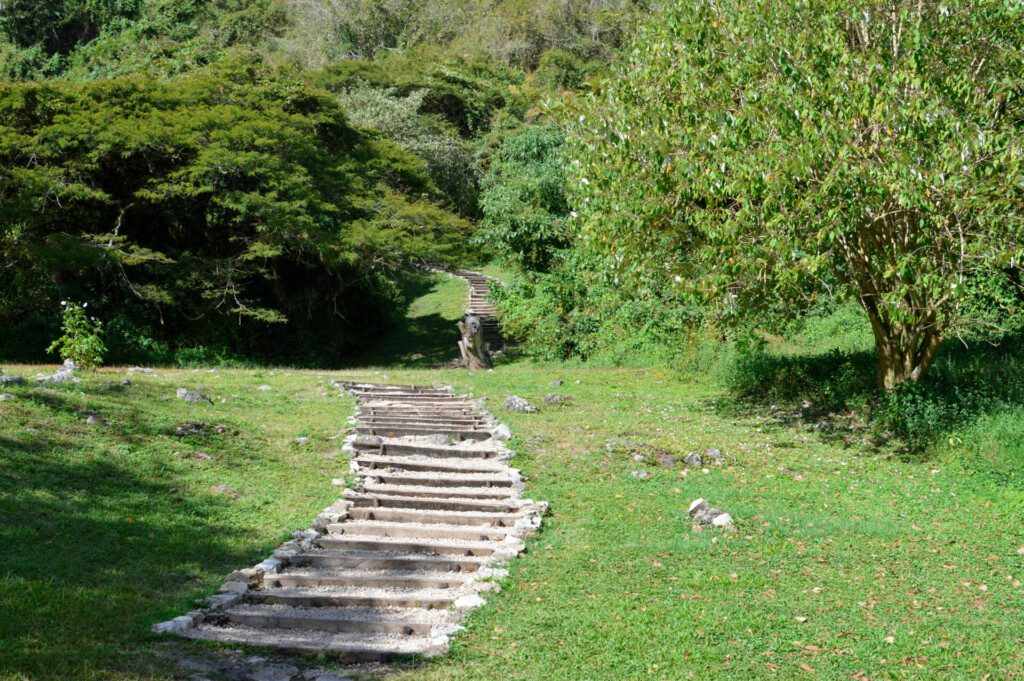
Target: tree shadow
98,545
835,391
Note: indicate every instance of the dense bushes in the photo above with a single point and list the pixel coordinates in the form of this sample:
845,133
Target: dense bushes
209,210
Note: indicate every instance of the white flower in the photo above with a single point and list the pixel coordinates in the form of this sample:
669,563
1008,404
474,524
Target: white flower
63,303
574,214
585,181
85,305
678,279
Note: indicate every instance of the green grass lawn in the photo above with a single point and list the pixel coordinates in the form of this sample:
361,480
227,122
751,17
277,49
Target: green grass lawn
844,561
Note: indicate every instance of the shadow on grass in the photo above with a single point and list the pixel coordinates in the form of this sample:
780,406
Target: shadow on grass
964,384
417,341
97,545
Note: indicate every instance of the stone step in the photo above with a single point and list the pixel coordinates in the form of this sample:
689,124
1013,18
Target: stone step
418,530
337,619
425,546
415,463
365,500
348,647
401,431
355,596
399,449
444,492
413,515
437,425
440,419
386,560
399,581
496,480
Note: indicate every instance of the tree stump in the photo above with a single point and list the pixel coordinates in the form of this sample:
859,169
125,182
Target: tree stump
474,351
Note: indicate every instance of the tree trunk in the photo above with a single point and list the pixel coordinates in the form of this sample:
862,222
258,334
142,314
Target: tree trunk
905,350
474,351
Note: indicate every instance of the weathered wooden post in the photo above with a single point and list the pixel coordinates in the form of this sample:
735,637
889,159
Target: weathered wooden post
474,351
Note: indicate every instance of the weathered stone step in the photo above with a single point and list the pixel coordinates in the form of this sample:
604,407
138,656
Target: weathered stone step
404,621
444,492
426,546
398,449
365,500
401,431
438,425
395,580
412,515
369,460
386,560
459,419
385,596
349,647
418,530
496,480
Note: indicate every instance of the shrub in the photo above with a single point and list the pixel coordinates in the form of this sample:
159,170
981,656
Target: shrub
82,337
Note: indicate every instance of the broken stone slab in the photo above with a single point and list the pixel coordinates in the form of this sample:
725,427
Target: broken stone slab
223,600
722,520
519,405
693,460
502,432
66,374
642,475
177,625
235,587
554,398
192,397
12,380
697,506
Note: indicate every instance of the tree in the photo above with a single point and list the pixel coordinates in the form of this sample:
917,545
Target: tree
766,154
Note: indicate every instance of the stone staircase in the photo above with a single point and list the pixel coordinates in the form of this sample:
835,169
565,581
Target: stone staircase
391,568
479,288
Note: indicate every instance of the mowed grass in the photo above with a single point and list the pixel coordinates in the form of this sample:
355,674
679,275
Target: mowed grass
845,562
111,527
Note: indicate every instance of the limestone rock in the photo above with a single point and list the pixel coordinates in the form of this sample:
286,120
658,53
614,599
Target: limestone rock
641,474
554,398
556,383
715,456
192,397
502,432
12,380
666,460
468,602
276,672
722,520
693,460
6,396
518,404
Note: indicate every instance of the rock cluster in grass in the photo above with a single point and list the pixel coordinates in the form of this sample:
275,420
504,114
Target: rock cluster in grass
518,404
192,397
66,374
555,398
710,456
7,380
705,514
6,396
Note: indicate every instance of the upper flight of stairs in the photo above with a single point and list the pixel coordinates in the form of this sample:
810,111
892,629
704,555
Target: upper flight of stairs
479,288
389,569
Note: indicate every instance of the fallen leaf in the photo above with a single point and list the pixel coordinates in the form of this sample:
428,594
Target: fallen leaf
801,619
890,639
807,668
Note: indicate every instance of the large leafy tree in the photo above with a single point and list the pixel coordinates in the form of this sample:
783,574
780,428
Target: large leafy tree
772,153
236,194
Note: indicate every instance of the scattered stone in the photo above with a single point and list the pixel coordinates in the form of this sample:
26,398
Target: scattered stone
666,460
697,506
704,514
502,432
554,398
639,458
225,490
714,455
93,420
191,428
693,460
141,370
556,383
722,520
12,380
201,456
66,374
469,602
264,387
277,672
300,441
6,396
126,383
643,475
518,404
192,397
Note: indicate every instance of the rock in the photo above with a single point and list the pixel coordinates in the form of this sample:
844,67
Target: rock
502,432
468,602
693,460
92,420
554,398
276,672
6,396
192,397
321,675
176,626
201,456
66,374
11,380
301,440
368,441
641,474
126,383
639,458
225,490
140,370
666,460
556,383
191,428
714,455
234,587
518,404
722,520
264,387
697,506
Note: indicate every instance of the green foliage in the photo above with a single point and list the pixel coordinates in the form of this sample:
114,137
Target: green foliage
771,155
523,199
558,69
82,337
236,194
58,26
